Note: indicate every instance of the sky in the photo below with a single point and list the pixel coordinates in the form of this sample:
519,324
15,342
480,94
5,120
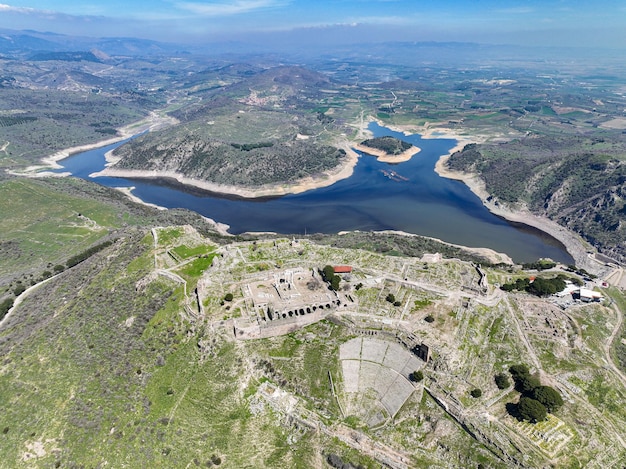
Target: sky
593,23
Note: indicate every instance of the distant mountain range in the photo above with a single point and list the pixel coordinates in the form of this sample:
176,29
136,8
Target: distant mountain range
25,44
22,44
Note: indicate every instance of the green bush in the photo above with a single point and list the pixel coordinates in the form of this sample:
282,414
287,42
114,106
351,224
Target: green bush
5,306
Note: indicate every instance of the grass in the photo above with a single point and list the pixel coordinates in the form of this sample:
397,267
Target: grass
186,252
42,225
194,269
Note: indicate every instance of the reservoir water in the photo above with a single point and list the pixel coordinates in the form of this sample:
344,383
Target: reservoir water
408,197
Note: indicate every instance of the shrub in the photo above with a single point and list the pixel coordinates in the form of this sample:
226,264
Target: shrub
5,306
77,259
228,297
429,318
476,393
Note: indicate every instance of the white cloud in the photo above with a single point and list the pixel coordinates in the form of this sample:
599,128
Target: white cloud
9,8
383,20
516,11
228,8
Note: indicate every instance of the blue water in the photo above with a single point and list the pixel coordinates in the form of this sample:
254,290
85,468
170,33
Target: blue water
424,204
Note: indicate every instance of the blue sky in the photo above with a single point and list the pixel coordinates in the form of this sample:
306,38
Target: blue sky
532,22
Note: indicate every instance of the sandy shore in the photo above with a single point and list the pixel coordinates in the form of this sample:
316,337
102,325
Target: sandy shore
492,256
385,157
578,248
327,178
575,245
221,228
154,121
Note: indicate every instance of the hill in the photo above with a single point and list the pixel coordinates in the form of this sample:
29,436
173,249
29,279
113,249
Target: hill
578,182
139,354
262,130
389,145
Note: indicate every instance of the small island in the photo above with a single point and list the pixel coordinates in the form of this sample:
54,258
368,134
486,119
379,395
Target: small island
388,149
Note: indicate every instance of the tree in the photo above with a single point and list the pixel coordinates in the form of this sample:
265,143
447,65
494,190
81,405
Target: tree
526,384
519,370
228,297
334,282
502,381
327,272
476,393
524,381
531,410
417,376
390,298
544,287
548,396
429,318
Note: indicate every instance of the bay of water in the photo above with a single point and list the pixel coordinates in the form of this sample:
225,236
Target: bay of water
419,201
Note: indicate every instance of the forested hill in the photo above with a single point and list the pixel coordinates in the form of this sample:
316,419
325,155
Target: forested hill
577,181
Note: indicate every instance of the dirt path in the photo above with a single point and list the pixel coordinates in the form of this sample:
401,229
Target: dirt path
21,297
531,352
608,345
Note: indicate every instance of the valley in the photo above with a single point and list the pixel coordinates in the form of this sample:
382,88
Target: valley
133,336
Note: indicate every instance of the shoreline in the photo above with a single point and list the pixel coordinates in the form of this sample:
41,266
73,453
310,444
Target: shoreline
327,178
151,122
221,228
574,244
576,247
491,255
385,157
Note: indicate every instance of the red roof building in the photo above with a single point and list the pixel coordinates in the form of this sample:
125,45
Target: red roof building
342,269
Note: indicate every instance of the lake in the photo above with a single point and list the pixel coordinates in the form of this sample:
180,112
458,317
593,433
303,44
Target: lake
413,198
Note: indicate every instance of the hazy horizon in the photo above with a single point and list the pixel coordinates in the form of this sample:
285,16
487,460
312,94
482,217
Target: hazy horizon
302,23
